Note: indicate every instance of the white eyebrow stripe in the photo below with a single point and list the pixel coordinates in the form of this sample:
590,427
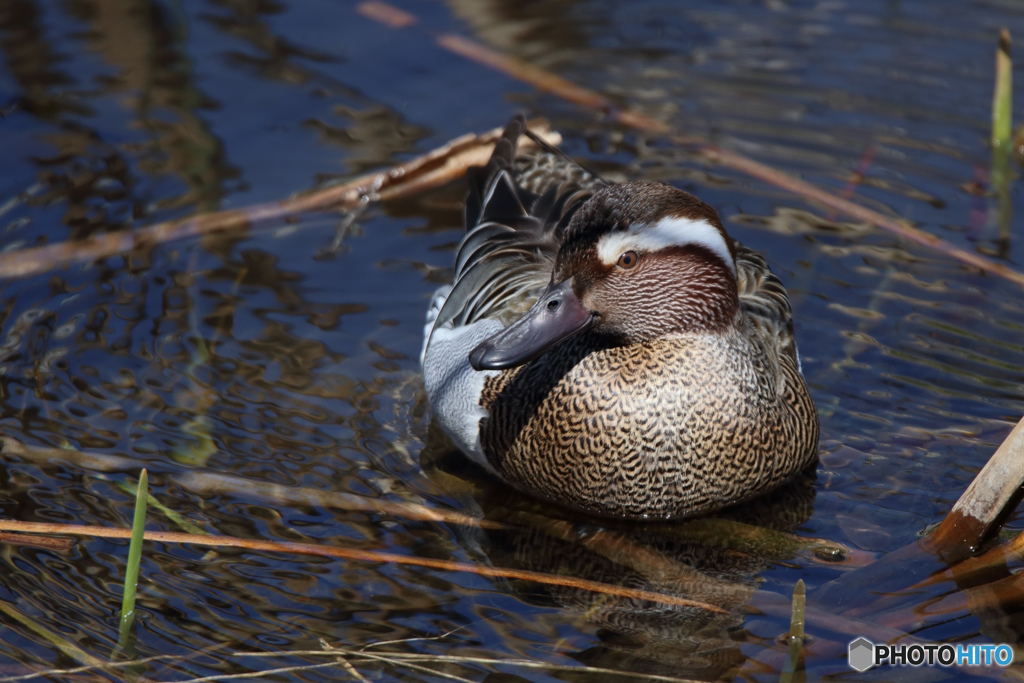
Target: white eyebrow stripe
668,232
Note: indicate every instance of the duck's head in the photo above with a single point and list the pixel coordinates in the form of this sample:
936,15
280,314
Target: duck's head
639,261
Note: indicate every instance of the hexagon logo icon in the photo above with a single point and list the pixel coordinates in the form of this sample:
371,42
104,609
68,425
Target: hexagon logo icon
862,654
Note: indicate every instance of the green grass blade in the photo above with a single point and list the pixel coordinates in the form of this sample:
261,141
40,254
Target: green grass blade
60,642
1002,140
131,574
796,634
1002,100
175,517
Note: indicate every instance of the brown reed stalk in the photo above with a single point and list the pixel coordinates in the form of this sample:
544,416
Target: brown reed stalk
974,518
981,508
359,555
207,484
428,171
571,92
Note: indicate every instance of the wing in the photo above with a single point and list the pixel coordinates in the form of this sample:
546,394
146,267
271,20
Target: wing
764,300
516,211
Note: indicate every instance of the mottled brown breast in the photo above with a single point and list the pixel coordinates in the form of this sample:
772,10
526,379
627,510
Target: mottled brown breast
666,428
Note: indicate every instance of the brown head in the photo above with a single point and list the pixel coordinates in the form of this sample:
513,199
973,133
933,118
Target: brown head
639,261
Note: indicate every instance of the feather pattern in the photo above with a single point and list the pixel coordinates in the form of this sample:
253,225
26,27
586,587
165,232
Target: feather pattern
516,212
680,395
765,302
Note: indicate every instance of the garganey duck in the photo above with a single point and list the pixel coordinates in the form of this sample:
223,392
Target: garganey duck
608,347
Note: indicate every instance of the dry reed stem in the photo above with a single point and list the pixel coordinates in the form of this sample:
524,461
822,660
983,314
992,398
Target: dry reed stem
211,483
425,172
386,14
977,513
403,658
359,555
261,674
392,658
60,545
973,518
50,673
556,85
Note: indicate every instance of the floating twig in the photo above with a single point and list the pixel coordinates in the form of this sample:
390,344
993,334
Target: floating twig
412,177
385,14
58,544
359,555
211,483
556,85
392,658
112,665
207,483
856,177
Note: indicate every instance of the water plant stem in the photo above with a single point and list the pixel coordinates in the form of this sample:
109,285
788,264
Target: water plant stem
796,633
131,574
1002,98
1002,141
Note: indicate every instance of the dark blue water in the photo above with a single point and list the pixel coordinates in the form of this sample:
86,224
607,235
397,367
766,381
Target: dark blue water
242,355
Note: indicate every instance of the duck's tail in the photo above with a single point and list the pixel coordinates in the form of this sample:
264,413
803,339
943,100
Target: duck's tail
516,210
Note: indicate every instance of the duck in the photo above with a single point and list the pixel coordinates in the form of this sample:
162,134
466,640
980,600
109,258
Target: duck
609,348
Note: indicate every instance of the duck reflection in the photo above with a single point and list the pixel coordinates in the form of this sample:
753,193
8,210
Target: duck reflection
716,560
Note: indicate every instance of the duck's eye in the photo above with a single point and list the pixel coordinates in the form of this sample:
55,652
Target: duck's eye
629,260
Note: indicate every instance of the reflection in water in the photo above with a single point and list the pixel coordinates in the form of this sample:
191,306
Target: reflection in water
99,179
146,45
714,560
240,354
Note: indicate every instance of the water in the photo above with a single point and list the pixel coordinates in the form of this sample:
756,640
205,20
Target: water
241,355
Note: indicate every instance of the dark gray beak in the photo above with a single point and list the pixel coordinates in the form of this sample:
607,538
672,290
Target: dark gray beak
557,315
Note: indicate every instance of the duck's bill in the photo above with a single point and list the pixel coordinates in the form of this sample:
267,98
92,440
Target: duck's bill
557,315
